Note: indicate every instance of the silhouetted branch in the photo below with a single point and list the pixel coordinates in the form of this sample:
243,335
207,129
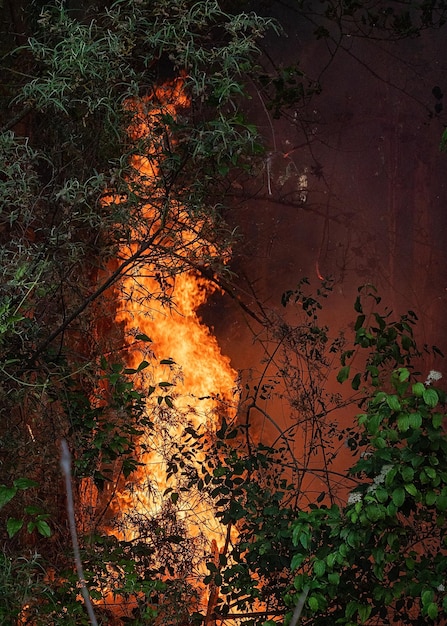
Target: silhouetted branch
17,118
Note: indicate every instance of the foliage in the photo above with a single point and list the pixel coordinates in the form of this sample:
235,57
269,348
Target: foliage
382,21
38,517
287,90
21,580
376,557
302,355
122,580
72,194
107,428
260,493
382,555
76,216
289,87
389,342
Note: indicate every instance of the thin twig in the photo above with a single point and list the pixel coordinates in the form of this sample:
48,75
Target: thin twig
111,280
66,470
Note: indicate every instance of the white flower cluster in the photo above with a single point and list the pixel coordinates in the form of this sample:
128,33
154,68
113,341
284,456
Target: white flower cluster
380,478
432,377
354,496
440,587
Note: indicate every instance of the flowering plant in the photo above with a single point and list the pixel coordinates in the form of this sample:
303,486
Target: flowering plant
381,557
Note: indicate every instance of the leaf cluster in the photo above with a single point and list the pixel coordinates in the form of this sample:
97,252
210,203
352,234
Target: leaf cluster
387,21
382,556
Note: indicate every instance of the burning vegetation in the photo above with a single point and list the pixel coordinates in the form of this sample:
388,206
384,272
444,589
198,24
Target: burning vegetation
201,495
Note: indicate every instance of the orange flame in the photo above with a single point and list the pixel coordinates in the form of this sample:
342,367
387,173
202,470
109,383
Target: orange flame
200,377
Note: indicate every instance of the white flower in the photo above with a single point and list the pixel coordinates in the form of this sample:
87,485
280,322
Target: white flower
354,496
440,587
433,376
380,478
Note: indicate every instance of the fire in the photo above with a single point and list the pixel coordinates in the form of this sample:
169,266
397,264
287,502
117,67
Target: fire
193,380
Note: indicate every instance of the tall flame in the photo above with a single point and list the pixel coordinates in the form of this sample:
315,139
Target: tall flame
192,366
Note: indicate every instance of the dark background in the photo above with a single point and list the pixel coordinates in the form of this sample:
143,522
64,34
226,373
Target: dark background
374,210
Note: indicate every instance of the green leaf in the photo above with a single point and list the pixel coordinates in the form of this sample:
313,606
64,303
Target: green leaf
404,374
304,539
319,568
430,498
415,420
142,366
25,483
430,471
411,489
351,609
374,512
393,402
297,560
407,473
441,503
418,389
430,397
6,494
333,578
374,423
432,610
343,374
403,422
391,509
313,603
390,476
43,528
379,443
437,420
13,526
364,611
427,597
355,384
381,494
398,496
142,337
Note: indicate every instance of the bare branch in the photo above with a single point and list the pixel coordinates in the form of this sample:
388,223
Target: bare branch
66,470
16,119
